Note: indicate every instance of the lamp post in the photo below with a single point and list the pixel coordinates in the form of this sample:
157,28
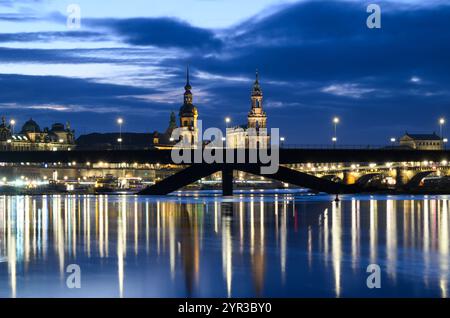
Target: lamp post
120,140
445,140
282,139
441,124
335,122
227,121
393,140
13,124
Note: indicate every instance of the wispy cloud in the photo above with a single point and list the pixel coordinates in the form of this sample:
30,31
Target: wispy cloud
347,90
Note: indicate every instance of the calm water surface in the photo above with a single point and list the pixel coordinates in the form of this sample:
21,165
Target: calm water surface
273,245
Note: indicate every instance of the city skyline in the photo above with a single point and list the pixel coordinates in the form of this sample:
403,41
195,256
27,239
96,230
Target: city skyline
130,64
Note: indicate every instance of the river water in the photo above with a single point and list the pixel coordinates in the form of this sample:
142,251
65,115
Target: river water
260,244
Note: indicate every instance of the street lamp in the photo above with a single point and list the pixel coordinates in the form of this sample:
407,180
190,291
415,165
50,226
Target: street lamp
445,140
393,140
13,123
120,140
227,121
335,122
441,123
282,139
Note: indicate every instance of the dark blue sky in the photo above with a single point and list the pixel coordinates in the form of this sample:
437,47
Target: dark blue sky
317,60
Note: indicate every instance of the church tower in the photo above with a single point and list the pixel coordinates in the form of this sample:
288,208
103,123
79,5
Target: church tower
188,115
257,117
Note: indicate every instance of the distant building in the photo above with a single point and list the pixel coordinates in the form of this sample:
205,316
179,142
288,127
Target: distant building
108,141
239,137
422,141
32,138
188,117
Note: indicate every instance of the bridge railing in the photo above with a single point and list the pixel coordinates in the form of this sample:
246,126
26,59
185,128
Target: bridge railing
338,146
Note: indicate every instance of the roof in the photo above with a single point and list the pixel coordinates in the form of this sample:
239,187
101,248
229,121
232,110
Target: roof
432,136
58,127
188,110
31,126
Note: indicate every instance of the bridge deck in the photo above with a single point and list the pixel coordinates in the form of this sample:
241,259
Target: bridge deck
287,156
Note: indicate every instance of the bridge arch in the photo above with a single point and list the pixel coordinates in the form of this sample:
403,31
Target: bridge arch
284,174
417,179
369,179
332,177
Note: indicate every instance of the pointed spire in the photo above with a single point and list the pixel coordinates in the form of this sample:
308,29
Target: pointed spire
188,86
256,91
187,74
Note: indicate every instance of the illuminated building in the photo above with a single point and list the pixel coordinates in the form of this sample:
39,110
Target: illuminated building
188,117
422,141
33,138
254,134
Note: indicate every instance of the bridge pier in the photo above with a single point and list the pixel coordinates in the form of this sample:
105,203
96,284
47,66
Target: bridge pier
227,181
347,177
399,177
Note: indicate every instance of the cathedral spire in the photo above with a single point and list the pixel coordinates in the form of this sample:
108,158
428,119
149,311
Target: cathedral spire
257,116
187,89
256,91
188,86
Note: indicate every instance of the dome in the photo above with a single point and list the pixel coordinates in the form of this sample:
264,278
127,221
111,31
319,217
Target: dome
31,126
58,127
188,110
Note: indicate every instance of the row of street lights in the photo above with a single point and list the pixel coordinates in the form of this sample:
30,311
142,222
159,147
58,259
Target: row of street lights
336,121
334,139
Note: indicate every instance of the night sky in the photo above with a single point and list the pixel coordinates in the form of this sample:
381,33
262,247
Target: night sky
317,60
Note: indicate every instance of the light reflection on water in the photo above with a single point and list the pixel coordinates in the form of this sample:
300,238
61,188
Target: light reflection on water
274,245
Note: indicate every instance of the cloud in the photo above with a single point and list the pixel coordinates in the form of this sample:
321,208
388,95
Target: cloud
52,36
61,91
13,3
348,90
328,40
162,32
